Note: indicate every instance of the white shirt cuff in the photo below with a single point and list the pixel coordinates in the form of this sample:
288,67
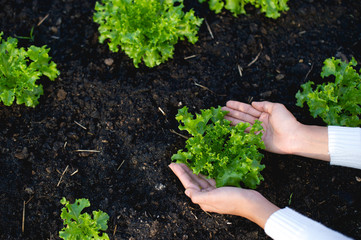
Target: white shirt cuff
287,224
344,146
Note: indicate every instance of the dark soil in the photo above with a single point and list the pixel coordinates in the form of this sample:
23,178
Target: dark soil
128,115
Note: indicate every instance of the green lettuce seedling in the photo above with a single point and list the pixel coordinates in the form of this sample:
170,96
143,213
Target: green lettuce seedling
220,151
271,8
338,102
19,71
146,30
81,226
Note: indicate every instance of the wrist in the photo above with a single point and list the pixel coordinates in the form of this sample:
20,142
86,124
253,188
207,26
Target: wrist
294,138
297,139
310,141
259,209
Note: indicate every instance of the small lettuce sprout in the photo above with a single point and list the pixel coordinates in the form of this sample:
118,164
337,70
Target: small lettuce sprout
81,226
19,71
338,102
146,30
271,8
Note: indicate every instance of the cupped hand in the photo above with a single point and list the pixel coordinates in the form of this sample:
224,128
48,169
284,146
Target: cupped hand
280,126
224,200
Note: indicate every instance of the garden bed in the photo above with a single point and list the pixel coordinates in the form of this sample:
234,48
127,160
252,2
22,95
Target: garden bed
101,102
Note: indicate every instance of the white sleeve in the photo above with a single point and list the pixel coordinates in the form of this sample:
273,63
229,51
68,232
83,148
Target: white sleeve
287,224
344,146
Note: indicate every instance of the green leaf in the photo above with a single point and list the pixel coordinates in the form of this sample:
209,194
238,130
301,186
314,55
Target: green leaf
338,102
271,8
146,30
81,225
218,150
181,157
329,67
101,219
19,71
74,209
7,96
236,6
216,5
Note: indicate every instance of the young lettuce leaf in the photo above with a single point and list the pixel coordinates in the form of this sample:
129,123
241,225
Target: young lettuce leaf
338,102
19,71
81,226
271,8
146,30
218,150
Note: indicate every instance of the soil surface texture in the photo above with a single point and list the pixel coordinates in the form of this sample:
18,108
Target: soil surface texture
102,102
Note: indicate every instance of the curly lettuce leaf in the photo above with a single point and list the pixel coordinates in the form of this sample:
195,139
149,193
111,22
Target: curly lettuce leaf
271,8
82,225
218,150
19,71
146,30
338,102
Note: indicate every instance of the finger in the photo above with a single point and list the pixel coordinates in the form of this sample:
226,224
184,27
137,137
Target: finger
241,116
264,106
243,107
197,197
185,178
204,199
188,178
211,181
200,179
235,121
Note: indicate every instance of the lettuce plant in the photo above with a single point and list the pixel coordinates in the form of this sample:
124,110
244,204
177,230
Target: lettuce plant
146,30
81,226
218,150
271,8
19,71
338,102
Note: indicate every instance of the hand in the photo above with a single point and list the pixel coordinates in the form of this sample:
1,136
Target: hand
225,200
279,124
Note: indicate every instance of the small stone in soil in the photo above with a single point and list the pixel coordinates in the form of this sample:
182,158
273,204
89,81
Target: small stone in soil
61,95
109,61
23,154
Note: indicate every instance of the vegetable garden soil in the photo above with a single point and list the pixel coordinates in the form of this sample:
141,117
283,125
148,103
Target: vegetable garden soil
102,102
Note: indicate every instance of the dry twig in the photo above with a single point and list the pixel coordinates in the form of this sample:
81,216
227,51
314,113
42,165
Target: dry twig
255,59
205,88
80,125
209,28
29,200
240,69
120,165
194,215
161,110
115,230
192,56
181,135
87,150
23,220
308,73
76,171
43,19
61,177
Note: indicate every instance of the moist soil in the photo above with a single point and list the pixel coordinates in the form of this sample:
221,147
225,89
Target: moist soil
102,102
